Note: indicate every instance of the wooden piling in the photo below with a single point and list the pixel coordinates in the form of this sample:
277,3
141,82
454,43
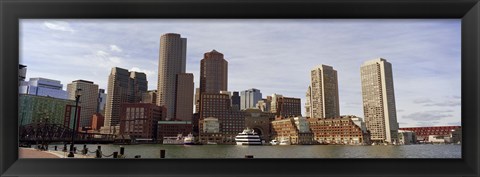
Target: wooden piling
115,155
162,153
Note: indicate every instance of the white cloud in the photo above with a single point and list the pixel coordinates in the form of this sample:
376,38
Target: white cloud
115,48
58,26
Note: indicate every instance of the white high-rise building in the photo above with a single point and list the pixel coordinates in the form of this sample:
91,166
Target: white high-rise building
379,100
322,95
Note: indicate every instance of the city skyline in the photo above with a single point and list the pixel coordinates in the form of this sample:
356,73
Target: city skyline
435,55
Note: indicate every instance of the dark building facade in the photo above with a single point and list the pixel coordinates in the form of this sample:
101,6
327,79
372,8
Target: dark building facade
213,73
235,101
139,120
218,106
173,128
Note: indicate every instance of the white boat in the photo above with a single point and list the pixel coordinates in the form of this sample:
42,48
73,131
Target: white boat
173,140
274,142
189,139
285,142
248,137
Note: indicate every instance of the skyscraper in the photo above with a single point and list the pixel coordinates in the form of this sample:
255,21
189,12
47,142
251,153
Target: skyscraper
379,100
88,101
184,103
123,87
308,102
285,106
235,101
172,61
249,98
102,101
323,93
213,73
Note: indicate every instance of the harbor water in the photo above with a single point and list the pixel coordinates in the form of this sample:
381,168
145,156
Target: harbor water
288,151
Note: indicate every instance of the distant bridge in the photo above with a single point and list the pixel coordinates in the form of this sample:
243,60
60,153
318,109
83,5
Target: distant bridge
47,133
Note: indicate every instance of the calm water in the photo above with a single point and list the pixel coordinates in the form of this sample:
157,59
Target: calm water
291,151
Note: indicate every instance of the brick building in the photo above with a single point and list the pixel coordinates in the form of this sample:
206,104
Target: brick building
339,130
218,105
259,121
139,120
173,128
294,129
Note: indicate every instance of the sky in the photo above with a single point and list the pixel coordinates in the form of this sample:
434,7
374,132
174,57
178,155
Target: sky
272,55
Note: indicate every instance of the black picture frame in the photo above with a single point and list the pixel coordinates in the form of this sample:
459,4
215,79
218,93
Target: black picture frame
13,10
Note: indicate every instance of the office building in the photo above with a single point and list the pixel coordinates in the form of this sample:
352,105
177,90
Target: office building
102,101
249,98
184,103
138,86
285,106
213,73
36,109
235,100
172,61
323,93
218,105
264,104
43,87
122,88
88,99
150,97
379,100
139,120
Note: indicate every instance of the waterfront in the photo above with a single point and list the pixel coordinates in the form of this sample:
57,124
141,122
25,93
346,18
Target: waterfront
291,151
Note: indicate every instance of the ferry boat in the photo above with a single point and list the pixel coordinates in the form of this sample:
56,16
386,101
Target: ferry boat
274,142
189,139
248,137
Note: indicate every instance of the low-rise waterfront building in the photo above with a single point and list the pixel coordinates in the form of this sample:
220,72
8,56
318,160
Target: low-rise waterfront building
210,131
259,121
407,137
293,129
423,133
339,130
173,128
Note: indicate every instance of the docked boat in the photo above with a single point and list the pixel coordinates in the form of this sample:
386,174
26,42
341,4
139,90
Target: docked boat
274,142
189,139
173,140
248,137
285,142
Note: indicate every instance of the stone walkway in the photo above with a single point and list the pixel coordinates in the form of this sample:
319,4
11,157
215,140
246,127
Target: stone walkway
33,153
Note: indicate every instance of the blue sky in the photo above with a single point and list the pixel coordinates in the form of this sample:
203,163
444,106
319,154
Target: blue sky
274,56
